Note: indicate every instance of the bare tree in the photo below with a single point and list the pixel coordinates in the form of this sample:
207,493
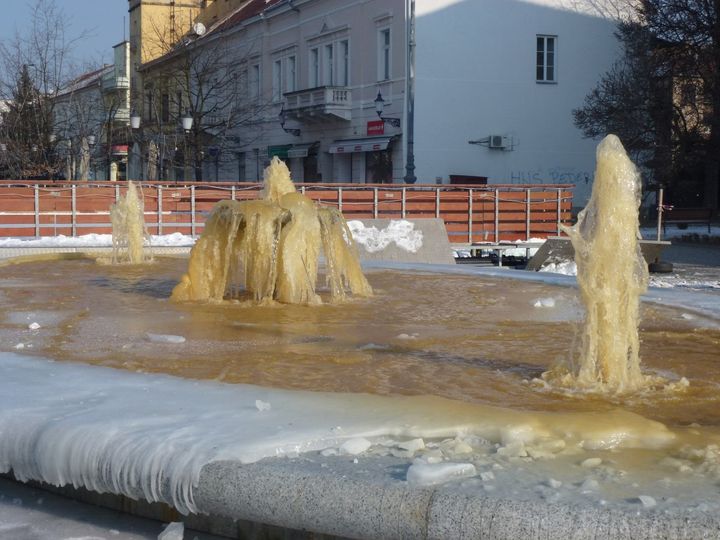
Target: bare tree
663,96
203,78
35,66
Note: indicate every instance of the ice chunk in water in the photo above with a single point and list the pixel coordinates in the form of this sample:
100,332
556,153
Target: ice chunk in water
544,303
427,474
174,531
647,501
355,446
262,405
165,338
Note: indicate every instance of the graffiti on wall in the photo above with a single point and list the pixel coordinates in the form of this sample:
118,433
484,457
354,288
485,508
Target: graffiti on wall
552,175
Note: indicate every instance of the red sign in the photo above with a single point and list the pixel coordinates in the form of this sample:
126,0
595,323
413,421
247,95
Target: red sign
119,149
376,127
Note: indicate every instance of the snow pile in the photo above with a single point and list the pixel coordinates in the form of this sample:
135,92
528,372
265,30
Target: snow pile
92,240
400,232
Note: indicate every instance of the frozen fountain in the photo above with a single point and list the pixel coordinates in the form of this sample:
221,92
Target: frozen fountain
270,248
428,380
129,234
612,275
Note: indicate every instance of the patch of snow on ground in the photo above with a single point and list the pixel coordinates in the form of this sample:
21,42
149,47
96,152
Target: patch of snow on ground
401,232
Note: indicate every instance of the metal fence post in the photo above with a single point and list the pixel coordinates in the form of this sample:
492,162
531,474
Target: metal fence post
340,199
37,211
437,202
232,192
74,210
527,215
375,203
559,210
470,216
404,195
192,210
159,210
117,192
497,216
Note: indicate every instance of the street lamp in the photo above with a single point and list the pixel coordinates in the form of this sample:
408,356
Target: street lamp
135,120
187,122
379,107
282,117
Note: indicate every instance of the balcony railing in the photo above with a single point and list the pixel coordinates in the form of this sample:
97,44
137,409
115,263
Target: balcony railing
122,115
112,82
322,103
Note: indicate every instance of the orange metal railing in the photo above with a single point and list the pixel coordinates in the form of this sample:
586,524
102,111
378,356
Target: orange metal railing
487,213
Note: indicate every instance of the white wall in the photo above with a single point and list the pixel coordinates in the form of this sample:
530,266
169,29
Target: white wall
475,76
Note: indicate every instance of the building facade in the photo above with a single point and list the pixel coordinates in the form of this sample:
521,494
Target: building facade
495,83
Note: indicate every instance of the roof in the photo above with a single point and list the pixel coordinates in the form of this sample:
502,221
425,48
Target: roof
86,80
249,10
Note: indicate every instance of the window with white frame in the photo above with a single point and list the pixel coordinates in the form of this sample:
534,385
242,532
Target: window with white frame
344,63
546,59
384,54
291,74
277,80
254,81
314,65
329,64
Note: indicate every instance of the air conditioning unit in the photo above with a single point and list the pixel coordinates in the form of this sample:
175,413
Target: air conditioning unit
498,141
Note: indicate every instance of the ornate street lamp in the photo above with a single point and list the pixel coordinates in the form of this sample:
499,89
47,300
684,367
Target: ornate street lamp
379,107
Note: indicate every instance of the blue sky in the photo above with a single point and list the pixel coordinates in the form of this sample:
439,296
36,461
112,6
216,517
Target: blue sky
103,19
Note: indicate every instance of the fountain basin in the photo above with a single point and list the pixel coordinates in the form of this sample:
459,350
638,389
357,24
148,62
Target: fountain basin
473,340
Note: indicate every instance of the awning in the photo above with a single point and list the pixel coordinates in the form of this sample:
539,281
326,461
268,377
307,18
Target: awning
371,144
300,150
280,151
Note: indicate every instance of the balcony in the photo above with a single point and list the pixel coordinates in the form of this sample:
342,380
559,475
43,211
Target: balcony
319,104
112,82
122,115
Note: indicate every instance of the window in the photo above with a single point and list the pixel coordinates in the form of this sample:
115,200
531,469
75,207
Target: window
344,64
384,54
254,89
178,96
241,166
546,68
329,64
277,80
291,76
165,108
314,75
149,106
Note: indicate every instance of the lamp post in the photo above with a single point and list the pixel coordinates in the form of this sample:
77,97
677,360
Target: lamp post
187,125
410,177
91,140
134,127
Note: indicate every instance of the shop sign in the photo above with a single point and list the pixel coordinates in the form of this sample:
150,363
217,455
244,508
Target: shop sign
376,127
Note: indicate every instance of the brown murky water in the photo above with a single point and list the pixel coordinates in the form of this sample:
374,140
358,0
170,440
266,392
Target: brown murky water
462,337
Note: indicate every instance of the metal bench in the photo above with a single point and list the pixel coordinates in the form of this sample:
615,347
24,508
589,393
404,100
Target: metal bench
687,216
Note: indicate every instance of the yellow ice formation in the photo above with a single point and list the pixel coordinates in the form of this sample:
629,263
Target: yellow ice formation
128,228
270,248
611,275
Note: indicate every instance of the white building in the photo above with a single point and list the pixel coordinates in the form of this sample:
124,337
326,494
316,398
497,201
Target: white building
503,74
